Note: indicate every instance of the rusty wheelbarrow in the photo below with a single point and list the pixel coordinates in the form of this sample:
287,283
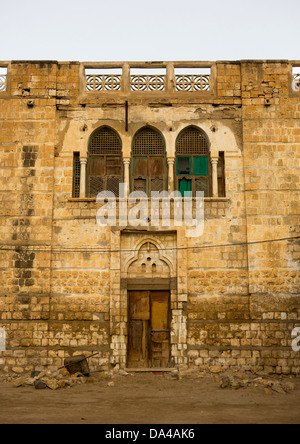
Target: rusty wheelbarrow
78,364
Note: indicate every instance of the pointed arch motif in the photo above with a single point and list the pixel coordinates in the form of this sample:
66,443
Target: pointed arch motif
149,165
193,166
148,258
104,164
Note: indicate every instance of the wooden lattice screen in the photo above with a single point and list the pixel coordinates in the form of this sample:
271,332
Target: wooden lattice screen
148,166
104,162
76,175
192,141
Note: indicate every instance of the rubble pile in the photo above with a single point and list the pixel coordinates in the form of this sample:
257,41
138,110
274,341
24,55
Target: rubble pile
55,380
62,378
277,385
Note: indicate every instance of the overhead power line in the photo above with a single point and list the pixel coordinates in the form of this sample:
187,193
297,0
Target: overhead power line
57,249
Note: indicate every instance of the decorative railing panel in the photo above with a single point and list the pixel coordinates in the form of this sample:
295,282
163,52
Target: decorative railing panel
2,83
103,82
192,83
139,78
297,81
147,83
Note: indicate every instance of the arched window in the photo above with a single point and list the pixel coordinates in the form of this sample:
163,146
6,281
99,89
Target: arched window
193,167
148,166
104,166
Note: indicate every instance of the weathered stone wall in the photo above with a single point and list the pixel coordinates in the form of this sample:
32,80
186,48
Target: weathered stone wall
248,322
234,304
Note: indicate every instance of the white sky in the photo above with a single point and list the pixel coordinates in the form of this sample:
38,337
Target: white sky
132,30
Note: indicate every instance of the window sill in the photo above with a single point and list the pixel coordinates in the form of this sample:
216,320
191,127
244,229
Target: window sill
93,199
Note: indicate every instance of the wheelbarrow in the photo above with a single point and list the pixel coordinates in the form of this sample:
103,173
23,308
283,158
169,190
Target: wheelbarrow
78,364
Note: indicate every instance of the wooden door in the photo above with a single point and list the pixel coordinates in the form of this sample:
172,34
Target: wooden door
149,331
160,332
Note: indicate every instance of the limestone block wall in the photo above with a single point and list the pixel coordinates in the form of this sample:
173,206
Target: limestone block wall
248,316
235,300
271,156
27,137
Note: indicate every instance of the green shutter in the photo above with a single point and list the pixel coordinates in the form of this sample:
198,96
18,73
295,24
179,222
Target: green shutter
185,187
200,166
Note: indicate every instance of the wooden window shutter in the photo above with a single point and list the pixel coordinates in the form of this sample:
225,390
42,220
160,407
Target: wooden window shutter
104,172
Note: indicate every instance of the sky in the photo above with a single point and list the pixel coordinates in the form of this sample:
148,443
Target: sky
158,30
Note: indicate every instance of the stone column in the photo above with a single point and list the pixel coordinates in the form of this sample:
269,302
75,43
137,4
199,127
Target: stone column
126,163
171,161
214,163
83,162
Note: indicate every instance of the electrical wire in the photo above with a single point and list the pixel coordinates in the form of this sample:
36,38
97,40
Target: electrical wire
53,249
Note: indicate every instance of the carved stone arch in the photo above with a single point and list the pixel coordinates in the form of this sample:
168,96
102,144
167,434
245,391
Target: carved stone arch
148,259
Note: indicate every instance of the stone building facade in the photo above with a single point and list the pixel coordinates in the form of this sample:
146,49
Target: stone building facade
150,296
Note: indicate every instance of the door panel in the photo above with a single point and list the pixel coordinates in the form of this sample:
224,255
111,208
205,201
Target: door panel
149,331
159,310
140,305
138,341
160,333
156,166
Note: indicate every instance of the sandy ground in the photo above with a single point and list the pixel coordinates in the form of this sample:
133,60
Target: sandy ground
149,399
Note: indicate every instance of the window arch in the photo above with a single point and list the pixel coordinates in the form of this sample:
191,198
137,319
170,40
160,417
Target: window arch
193,167
148,166
104,164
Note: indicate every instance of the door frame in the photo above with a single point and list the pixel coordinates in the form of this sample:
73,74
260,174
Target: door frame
169,322
148,284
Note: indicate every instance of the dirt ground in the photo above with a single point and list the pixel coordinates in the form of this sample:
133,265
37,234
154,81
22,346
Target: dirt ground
149,399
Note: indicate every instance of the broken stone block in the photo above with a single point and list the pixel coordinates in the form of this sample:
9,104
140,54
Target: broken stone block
19,382
61,383
52,384
40,385
30,381
288,386
63,372
40,376
225,382
278,389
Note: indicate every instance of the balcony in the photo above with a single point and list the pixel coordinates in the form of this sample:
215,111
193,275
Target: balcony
296,78
3,75
149,77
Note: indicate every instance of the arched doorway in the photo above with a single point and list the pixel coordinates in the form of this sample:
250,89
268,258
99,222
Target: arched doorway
149,312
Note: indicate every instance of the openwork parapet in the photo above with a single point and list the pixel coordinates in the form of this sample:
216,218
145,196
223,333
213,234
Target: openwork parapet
139,77
297,81
147,83
103,82
2,83
192,83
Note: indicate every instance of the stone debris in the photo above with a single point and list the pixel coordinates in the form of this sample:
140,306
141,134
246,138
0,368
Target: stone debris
59,379
62,379
270,386
40,385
